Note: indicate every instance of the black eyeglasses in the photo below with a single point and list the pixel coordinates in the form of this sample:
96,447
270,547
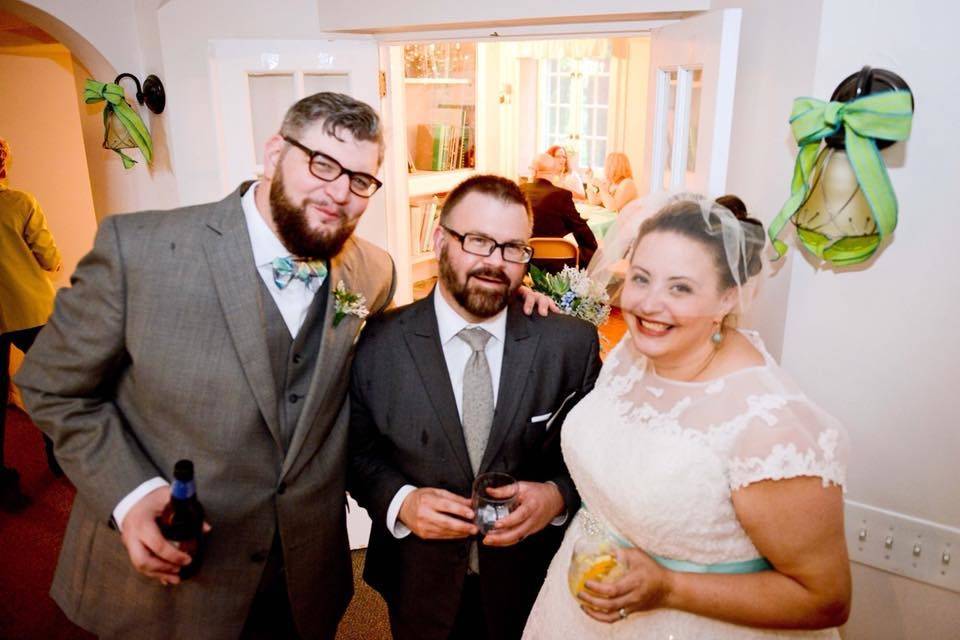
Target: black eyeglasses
480,245
328,169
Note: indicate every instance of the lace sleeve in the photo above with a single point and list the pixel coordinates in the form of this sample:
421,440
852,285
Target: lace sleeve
789,438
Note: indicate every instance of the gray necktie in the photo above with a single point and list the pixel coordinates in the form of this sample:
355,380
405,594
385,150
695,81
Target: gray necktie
477,410
477,395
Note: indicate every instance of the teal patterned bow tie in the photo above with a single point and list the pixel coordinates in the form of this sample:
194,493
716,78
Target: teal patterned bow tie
287,268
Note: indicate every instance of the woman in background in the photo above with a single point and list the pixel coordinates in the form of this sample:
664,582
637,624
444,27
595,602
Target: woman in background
617,187
567,176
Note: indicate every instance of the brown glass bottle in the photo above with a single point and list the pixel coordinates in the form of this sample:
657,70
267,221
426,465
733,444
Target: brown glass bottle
182,519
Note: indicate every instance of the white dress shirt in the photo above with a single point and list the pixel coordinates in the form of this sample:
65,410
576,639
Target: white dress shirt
293,302
456,352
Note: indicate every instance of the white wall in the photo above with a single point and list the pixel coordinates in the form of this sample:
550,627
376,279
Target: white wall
40,119
878,346
635,104
771,72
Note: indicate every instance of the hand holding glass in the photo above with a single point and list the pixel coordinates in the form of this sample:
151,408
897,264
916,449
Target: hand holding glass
494,497
596,558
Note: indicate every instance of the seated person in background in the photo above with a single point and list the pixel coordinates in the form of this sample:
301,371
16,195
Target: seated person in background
554,214
617,187
567,175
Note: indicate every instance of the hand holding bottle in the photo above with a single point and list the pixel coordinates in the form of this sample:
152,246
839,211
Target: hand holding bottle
163,532
150,553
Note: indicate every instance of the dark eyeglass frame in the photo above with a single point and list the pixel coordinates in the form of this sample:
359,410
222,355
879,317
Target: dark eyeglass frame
312,154
462,237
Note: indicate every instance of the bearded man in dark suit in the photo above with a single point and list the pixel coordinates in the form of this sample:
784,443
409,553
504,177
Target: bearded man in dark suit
455,385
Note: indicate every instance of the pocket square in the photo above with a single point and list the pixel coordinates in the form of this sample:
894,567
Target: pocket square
542,418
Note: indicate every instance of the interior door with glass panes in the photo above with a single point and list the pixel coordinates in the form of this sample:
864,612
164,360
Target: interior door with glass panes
576,94
693,72
255,81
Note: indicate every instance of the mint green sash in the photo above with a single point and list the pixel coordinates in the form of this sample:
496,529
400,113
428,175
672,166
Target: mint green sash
880,116
753,565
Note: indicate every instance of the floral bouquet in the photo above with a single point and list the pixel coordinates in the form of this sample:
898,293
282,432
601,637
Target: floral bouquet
574,292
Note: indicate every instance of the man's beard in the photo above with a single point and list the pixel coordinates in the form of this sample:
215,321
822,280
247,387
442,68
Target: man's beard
476,299
294,230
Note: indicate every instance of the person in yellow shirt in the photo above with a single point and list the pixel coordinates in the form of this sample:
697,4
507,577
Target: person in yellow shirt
27,251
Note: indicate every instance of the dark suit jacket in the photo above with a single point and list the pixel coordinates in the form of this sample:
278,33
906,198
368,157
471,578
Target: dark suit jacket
405,429
554,216
158,352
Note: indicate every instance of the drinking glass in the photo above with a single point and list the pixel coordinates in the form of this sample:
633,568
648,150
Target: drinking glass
596,558
489,508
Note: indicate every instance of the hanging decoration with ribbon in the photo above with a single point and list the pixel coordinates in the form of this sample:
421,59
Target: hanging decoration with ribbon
123,128
841,200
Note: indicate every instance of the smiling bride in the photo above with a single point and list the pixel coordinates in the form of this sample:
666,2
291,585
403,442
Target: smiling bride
711,484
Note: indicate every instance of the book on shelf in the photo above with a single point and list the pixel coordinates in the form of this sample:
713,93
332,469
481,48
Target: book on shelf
424,217
417,213
446,145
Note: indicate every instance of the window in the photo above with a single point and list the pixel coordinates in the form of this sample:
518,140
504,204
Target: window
574,111
271,94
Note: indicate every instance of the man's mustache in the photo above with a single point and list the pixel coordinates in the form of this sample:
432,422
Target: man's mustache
323,204
491,274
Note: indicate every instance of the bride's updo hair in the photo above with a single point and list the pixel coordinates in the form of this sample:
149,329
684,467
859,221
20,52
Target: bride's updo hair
703,221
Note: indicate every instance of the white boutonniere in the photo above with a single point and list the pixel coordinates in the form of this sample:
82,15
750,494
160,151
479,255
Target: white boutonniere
348,303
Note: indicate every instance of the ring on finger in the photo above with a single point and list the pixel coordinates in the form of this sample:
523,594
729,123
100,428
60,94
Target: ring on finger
622,613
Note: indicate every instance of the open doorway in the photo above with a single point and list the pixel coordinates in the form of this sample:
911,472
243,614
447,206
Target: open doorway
41,116
470,106
41,119
660,96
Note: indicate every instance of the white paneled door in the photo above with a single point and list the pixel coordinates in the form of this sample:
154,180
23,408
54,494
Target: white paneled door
255,81
693,73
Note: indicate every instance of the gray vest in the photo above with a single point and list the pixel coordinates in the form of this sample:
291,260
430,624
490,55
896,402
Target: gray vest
293,359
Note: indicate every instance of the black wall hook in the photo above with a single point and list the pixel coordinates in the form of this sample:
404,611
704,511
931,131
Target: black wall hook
863,83
152,93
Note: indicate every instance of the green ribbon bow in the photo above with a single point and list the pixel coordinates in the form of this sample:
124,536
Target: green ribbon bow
884,116
117,106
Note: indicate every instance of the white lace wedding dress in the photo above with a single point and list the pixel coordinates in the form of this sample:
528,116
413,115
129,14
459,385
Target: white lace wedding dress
656,460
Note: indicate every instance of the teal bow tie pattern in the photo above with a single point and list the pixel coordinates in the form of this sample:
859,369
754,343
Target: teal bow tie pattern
287,268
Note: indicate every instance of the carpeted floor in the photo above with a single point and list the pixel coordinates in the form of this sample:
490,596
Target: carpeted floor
31,540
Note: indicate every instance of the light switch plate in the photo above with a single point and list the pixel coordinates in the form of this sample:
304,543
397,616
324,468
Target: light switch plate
909,547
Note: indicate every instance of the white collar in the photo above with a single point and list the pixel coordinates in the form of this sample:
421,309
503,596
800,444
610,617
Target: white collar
266,245
451,323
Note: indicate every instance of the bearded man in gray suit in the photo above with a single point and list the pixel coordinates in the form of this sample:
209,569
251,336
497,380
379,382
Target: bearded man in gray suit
212,333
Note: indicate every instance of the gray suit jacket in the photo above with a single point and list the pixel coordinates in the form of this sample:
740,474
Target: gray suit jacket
405,429
158,352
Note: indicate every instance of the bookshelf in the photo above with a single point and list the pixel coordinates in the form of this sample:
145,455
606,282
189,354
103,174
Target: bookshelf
439,98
